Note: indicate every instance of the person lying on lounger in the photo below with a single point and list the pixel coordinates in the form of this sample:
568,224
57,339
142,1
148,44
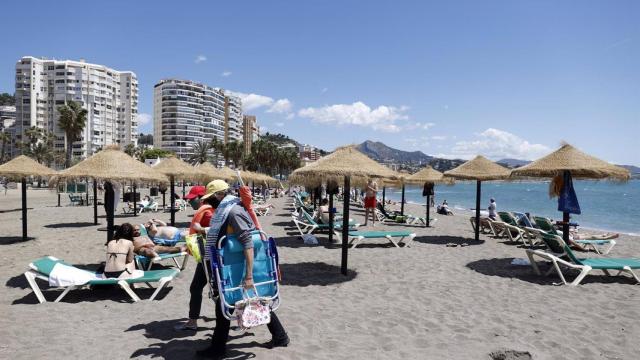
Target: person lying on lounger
574,235
143,245
157,229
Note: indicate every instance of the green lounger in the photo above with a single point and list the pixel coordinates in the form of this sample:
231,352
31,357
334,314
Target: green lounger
357,236
600,246
42,268
307,225
145,263
561,254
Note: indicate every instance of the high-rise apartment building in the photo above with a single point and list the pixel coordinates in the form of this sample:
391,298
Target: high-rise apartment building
250,131
232,118
185,112
109,96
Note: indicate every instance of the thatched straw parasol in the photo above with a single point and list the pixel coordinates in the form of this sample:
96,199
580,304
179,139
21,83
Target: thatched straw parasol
214,173
345,161
569,163
176,169
348,163
428,175
568,158
111,165
479,169
19,169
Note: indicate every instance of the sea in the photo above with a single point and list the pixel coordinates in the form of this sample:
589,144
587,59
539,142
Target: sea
607,206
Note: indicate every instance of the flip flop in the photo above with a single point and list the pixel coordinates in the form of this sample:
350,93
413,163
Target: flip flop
451,245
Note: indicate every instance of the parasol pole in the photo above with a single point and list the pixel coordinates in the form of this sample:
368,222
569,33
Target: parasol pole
345,225
478,192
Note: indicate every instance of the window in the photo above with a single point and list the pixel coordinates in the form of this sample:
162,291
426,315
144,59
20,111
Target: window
50,67
59,66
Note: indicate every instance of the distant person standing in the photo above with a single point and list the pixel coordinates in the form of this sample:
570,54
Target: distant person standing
493,214
370,201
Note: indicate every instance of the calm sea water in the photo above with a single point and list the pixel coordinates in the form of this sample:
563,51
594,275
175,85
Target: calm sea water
605,205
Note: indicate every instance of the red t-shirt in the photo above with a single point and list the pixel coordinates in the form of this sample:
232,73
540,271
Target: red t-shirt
202,216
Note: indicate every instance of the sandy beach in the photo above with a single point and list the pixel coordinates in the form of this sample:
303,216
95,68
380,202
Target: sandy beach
428,301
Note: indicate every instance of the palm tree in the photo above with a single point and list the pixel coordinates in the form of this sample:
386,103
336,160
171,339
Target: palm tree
130,149
4,139
216,146
73,119
200,153
236,152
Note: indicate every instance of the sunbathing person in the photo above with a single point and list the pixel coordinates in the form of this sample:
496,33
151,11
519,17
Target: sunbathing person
159,230
119,262
574,235
444,209
143,245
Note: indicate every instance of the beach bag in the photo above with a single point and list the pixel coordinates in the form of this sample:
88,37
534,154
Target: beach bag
252,311
192,246
401,219
309,239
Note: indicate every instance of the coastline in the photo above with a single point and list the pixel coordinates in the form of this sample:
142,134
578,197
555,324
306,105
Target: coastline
430,300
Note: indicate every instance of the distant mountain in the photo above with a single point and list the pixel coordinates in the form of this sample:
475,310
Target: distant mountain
513,163
407,160
381,152
634,170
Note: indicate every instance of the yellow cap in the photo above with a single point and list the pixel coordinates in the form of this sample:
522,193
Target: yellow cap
214,187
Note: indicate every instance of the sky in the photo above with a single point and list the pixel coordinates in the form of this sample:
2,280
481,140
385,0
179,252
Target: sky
505,79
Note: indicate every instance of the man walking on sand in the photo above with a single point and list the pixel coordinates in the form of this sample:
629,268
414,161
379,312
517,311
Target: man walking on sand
370,201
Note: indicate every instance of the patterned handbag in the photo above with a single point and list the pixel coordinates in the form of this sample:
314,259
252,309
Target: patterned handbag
252,311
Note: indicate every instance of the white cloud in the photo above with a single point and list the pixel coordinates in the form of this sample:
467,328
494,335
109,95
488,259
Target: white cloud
290,116
382,118
324,90
498,144
255,101
281,106
144,119
279,124
263,129
200,58
226,73
439,137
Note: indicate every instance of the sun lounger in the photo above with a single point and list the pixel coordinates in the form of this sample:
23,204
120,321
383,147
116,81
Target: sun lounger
42,268
358,236
76,199
598,245
145,263
561,254
307,225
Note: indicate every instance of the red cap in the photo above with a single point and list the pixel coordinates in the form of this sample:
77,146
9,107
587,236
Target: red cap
195,192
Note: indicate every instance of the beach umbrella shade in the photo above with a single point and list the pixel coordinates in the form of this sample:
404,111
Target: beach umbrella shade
428,175
478,169
213,173
19,169
570,163
176,169
350,165
111,165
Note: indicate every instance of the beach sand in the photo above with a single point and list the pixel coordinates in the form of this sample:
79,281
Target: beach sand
428,301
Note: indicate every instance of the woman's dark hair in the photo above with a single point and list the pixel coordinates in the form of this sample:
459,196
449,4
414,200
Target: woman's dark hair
124,231
211,200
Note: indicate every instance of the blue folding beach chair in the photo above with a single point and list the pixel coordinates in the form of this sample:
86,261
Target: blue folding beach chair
228,271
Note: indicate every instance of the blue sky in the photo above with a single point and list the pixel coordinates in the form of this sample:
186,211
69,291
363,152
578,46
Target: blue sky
449,78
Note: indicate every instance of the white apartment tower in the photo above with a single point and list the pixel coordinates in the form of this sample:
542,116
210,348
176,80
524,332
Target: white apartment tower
110,97
233,120
185,112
